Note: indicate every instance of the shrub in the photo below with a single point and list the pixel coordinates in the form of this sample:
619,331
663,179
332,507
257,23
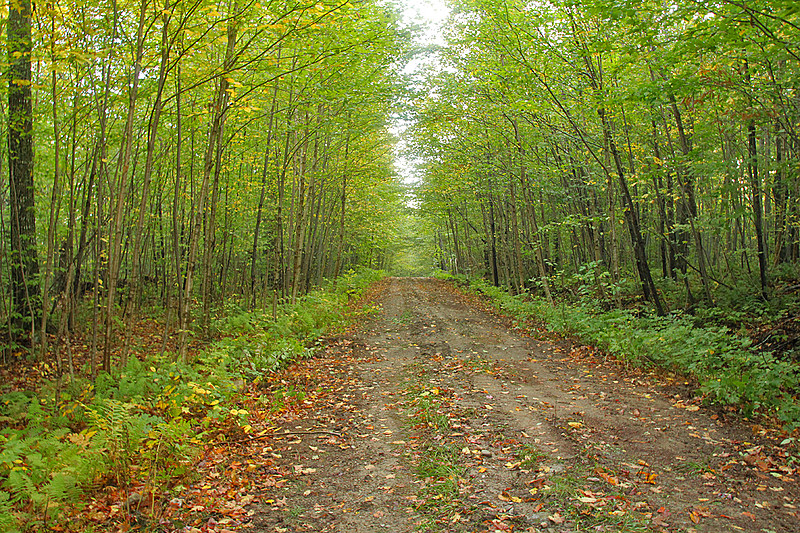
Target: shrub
55,444
728,368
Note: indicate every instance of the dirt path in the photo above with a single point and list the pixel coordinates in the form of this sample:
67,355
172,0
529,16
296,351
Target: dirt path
435,416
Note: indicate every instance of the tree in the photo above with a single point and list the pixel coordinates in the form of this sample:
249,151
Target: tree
23,258
616,113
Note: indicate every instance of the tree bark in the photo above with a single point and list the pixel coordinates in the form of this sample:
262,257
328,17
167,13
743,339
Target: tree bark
24,260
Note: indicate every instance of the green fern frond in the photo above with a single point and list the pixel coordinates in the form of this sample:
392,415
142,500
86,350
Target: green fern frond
8,523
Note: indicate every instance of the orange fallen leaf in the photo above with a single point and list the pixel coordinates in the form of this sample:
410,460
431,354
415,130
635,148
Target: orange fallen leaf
609,478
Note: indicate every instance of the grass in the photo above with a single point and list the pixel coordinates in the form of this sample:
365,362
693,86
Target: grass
729,369
425,409
402,319
530,456
438,464
611,511
440,471
691,467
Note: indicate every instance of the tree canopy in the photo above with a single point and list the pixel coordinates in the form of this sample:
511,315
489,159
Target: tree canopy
624,141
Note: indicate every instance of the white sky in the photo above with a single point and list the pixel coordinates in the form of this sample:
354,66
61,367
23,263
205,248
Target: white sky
430,15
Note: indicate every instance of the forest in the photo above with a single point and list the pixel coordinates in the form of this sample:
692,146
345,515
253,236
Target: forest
189,157
199,190
632,167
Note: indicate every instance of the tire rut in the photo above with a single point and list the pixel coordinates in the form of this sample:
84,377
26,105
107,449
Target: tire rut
545,438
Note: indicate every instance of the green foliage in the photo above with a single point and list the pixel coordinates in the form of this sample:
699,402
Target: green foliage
7,519
258,343
729,369
140,423
40,468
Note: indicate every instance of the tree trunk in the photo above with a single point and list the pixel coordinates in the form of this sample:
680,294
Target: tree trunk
755,185
121,188
24,260
155,117
219,108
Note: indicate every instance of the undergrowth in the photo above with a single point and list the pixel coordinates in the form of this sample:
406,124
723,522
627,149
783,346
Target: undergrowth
143,426
729,369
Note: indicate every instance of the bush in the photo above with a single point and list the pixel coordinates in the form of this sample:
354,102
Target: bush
728,368
141,422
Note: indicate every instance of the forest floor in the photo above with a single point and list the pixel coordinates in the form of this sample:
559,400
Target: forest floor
436,414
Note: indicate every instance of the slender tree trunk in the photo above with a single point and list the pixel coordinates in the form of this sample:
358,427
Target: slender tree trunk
55,201
122,185
155,117
755,186
219,108
301,214
758,210
689,204
648,286
343,203
536,235
263,195
781,192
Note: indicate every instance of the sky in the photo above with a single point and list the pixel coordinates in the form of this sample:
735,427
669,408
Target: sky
430,15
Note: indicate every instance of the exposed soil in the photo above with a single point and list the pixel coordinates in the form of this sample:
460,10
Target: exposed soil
437,415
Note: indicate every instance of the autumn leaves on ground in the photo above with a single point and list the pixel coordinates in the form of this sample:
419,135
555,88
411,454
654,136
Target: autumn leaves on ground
437,415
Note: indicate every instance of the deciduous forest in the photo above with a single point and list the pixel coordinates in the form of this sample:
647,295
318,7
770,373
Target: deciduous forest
201,195
638,160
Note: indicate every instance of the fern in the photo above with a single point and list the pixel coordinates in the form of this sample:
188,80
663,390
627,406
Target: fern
112,419
21,486
62,487
8,523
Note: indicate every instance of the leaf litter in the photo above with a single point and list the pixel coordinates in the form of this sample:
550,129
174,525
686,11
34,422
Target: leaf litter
454,419
438,414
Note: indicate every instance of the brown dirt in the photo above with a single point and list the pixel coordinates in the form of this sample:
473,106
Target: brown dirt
544,437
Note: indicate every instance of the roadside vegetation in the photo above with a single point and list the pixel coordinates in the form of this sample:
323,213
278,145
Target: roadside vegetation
629,174
138,432
728,367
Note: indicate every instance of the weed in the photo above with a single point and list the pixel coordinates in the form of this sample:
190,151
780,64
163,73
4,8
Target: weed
425,409
286,396
530,456
729,369
441,472
403,319
691,467
295,512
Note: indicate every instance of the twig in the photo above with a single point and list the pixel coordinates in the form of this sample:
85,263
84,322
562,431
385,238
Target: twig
286,433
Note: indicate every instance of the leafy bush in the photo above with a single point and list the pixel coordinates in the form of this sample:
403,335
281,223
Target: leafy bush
728,368
140,423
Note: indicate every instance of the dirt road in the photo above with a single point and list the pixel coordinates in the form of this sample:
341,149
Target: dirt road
435,415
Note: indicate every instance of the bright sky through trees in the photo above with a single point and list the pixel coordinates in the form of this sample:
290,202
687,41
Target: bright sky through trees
430,16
